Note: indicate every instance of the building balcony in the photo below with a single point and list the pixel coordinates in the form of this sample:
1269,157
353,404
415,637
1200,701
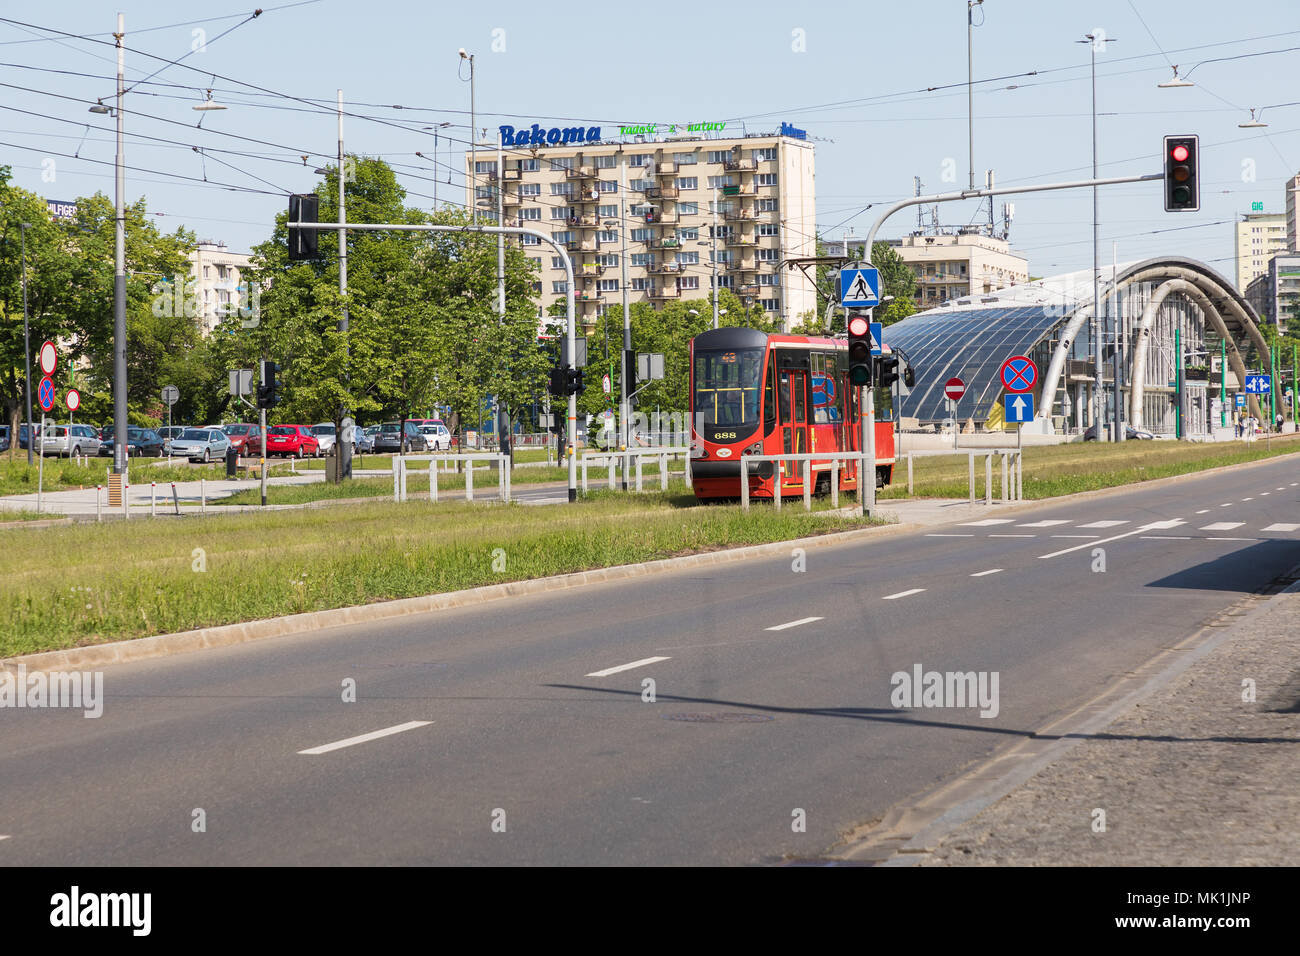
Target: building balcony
742,265
667,243
580,172
507,199
584,222
660,216
583,196
666,168
581,245
740,165
590,270
661,192
666,292
737,239
753,289
515,174
666,267
742,215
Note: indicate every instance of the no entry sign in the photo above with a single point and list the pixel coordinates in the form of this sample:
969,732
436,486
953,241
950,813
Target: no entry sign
954,388
1019,374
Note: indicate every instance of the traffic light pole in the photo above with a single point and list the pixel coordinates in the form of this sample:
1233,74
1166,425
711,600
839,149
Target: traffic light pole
262,470
571,334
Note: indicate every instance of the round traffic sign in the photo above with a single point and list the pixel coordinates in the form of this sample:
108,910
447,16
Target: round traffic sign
45,394
171,394
72,399
954,388
1019,374
49,358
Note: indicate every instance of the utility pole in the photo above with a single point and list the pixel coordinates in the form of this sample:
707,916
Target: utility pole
970,82
624,436
714,231
342,449
1117,362
27,350
503,414
1099,400
120,449
473,134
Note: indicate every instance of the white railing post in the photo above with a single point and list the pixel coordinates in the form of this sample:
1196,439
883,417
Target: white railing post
203,497
638,472
99,515
663,473
776,484
807,485
970,460
1005,491
469,480
1020,476
609,472
988,479
744,483
584,474
433,480
397,485
153,499
909,474
835,482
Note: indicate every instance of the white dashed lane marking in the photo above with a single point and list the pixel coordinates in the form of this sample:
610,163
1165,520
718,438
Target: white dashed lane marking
365,738
936,535
1203,511
980,574
1013,535
788,624
1223,526
1103,524
1283,526
627,667
1076,536
1226,504
1247,499
902,594
1164,537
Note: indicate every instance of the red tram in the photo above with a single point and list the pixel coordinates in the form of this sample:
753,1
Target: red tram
759,394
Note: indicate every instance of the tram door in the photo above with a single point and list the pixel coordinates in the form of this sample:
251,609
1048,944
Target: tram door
793,384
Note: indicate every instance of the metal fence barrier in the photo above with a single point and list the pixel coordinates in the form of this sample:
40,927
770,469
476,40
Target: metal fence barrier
607,459
834,457
503,472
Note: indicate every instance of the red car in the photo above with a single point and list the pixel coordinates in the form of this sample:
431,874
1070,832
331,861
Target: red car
291,440
246,439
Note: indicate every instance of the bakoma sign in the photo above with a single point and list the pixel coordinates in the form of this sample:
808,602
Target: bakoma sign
555,136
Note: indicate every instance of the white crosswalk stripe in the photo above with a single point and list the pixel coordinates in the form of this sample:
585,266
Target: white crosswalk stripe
1103,524
987,522
1283,526
1051,522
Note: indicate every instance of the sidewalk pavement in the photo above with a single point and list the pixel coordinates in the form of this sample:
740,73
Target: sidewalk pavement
1200,773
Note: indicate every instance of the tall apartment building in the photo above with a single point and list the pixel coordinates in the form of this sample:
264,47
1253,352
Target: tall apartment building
1260,236
968,262
1292,188
570,182
1275,295
218,289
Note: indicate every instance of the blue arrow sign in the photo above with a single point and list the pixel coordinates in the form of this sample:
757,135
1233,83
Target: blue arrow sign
877,333
859,288
1258,384
1019,408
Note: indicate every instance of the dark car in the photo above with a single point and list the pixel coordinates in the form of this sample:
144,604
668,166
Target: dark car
1130,434
140,443
388,438
22,433
4,437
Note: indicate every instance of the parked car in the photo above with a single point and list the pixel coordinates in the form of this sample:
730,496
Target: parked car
140,443
4,437
436,435
246,438
1130,434
200,444
22,433
69,440
291,441
167,433
389,438
326,436
106,433
366,438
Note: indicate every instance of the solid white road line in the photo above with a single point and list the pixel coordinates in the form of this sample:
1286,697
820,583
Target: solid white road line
1282,526
364,738
4,836
1223,526
1153,526
627,667
1232,539
986,522
1050,522
1163,537
789,624
980,574
1102,524
902,594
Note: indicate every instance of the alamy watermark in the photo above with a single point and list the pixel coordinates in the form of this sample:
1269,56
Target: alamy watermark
42,690
946,689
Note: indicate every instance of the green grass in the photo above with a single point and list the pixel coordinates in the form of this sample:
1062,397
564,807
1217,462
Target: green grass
15,517
87,583
1052,470
62,474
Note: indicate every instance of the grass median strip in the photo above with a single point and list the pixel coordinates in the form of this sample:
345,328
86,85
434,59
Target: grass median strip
88,583
1052,470
61,474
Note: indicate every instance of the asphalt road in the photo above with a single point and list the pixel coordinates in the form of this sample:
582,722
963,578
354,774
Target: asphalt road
524,717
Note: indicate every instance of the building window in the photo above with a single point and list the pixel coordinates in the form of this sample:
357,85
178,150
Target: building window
607,260
562,237
559,288
640,185
530,189
686,159
688,258
766,205
717,182
769,278
607,235
606,285
769,255
638,159
560,212
726,282
723,257
684,234
561,162
607,186
767,179
641,260
608,161
561,189
719,155
688,283
485,192
640,285
531,213
770,305
485,166
557,262
527,240
688,182
769,229
642,235
607,212
688,208
766,154
724,232
528,165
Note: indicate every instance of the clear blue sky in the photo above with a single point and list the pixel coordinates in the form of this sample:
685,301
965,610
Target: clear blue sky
854,87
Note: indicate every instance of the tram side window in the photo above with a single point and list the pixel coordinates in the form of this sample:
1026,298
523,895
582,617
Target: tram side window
769,400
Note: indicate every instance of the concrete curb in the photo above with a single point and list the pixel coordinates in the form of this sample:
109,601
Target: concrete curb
120,652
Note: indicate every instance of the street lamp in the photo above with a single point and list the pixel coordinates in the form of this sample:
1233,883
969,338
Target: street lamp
1176,81
1253,123
27,351
473,132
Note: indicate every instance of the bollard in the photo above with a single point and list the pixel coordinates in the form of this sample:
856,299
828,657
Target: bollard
584,474
988,479
807,485
98,514
433,481
744,484
153,498
509,478
126,506
909,474
1020,476
609,472
176,501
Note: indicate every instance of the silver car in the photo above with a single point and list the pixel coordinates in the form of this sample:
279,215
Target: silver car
201,444
69,440
326,435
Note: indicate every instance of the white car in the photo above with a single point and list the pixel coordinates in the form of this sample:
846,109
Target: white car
326,435
436,436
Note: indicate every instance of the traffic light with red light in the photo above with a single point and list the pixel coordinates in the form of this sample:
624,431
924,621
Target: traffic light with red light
859,327
1182,176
